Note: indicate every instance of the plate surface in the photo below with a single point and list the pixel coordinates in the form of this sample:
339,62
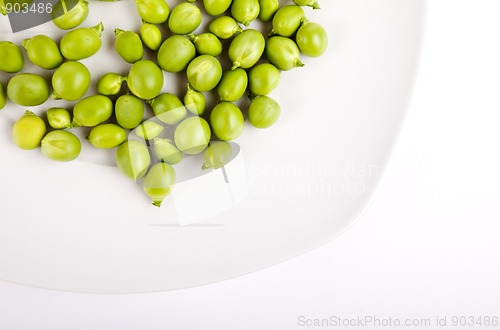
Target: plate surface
82,226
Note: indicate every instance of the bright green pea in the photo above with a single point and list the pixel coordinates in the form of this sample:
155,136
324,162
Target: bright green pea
310,3
28,89
263,111
287,20
233,85
224,27
28,131
70,81
217,154
129,111
185,18
246,49
110,84
312,39
263,79
159,182
207,43
150,35
245,11
168,108
227,121
82,42
165,151
107,136
148,130
59,118
216,7
11,57
192,135
175,53
153,11
128,45
145,79
92,110
283,53
43,51
61,146
267,9
68,14
204,73
3,97
133,159
194,101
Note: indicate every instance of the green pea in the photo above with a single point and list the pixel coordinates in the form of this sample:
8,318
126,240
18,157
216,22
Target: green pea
150,35
165,151
233,85
312,39
204,73
192,135
92,110
82,42
70,81
61,146
287,20
129,111
246,49
283,53
43,51
128,45
175,53
227,121
310,3
159,182
110,84
132,159
59,118
217,155
185,18
107,136
194,101
3,98
224,27
263,112
11,57
145,79
216,7
267,9
28,131
153,11
28,89
207,43
69,19
245,11
263,79
168,108
148,130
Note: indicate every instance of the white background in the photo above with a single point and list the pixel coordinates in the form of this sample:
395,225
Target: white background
428,245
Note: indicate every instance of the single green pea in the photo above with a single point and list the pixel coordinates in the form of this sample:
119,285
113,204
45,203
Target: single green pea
204,73
145,79
245,11
263,79
82,42
92,110
150,35
107,136
11,57
132,159
168,108
283,53
68,14
70,81
59,118
227,121
185,18
129,111
159,182
246,49
165,151
310,3
43,52
192,135
216,7
217,155
148,130
175,53
207,43
110,83
3,97
194,101
287,20
28,89
61,146
128,45
153,11
312,39
263,112
224,27
233,85
267,9
28,131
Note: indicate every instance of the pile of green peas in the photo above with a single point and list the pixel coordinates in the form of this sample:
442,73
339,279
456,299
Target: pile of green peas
230,61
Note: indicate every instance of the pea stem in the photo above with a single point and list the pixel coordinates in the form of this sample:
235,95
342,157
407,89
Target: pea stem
63,3
98,28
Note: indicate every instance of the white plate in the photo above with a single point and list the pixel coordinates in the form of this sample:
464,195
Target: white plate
81,226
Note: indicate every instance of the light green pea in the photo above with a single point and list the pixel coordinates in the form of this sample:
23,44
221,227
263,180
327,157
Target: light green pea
43,52
59,118
283,53
148,130
128,45
267,9
61,146
129,111
175,53
153,11
245,11
68,14
263,112
11,57
192,135
82,42
107,136
159,182
132,159
165,151
310,3
145,79
70,81
227,121
168,108
287,20
28,89
28,131
194,101
263,79
246,49
3,97
217,155
92,110
150,35
233,85
312,39
185,18
110,84
204,73
207,43
216,7
224,27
